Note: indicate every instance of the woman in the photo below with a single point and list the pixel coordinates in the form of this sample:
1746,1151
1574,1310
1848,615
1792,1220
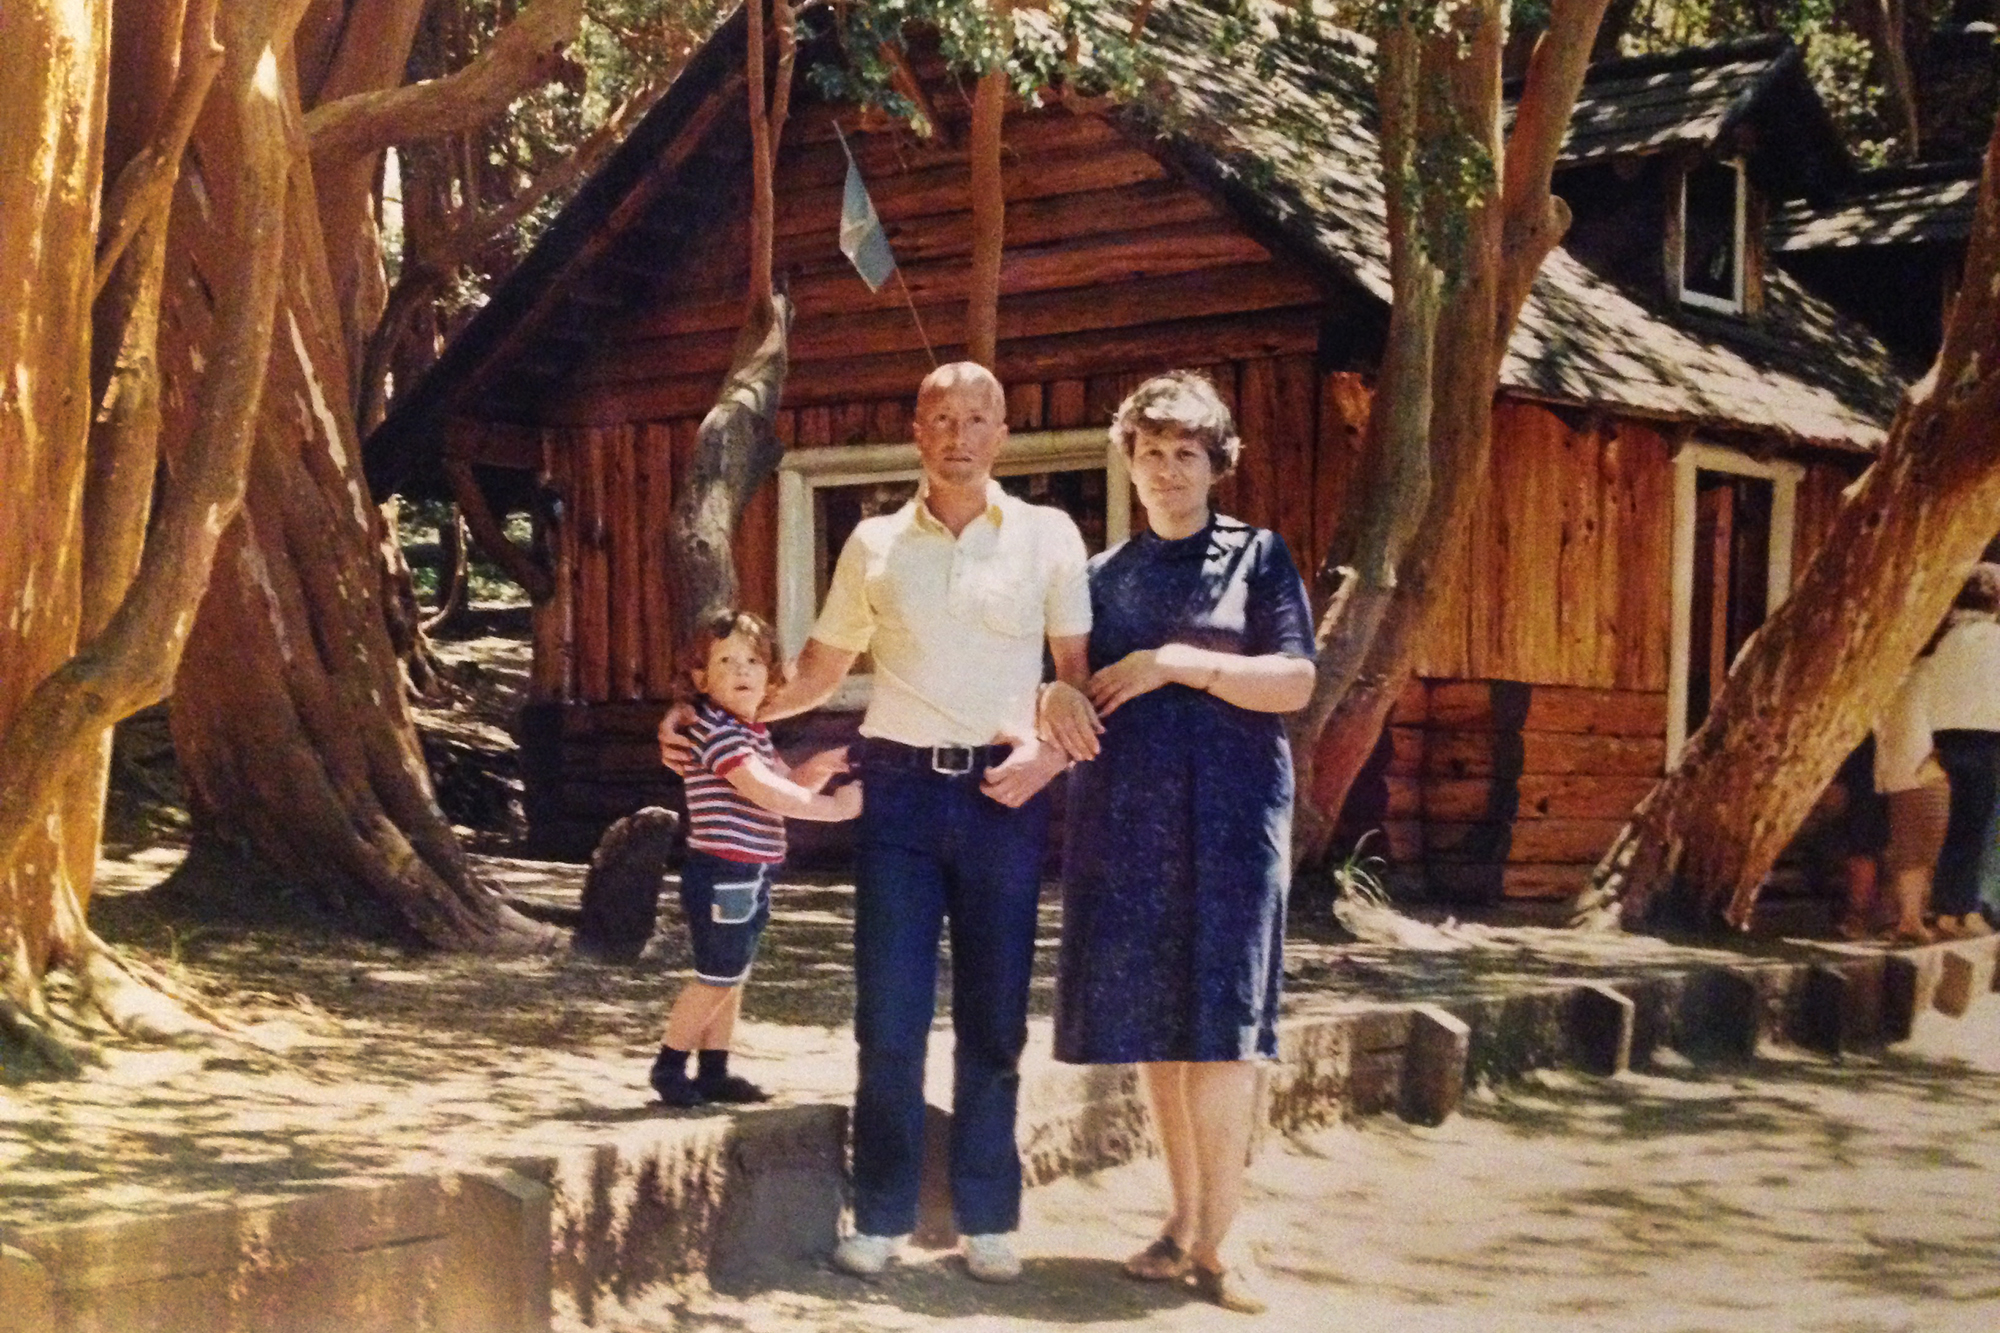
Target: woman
1180,827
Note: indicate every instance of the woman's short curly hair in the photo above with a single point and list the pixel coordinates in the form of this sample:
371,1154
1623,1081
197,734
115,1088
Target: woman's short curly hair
1181,402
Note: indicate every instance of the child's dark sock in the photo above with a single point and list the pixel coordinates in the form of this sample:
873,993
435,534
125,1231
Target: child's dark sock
717,1084
670,1080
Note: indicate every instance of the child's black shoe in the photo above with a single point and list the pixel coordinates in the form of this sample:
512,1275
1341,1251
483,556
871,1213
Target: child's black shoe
733,1088
670,1080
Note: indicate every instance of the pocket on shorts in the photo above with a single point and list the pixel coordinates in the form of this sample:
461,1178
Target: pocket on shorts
733,904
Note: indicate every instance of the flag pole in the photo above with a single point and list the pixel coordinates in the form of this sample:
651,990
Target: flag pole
910,301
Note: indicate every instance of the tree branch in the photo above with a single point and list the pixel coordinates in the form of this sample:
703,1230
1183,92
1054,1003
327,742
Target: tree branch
145,185
491,538
1533,220
425,274
526,53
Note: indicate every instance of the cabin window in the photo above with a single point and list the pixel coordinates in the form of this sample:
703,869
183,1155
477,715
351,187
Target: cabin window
1712,235
824,493
1733,525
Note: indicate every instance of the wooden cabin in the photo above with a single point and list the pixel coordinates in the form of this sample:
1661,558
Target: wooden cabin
1659,471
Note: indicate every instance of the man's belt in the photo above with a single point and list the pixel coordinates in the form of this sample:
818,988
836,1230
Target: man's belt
951,761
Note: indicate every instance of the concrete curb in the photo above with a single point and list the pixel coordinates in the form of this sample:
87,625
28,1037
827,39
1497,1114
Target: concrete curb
580,1232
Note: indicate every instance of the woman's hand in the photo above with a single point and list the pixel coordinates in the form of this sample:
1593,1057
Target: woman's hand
1014,780
1130,676
1066,717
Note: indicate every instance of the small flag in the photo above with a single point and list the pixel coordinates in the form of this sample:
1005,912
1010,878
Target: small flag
862,239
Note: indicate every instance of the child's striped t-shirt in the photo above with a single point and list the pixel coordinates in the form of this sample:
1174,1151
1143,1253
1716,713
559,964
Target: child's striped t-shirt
721,820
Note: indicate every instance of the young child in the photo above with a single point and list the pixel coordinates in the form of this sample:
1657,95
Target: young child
739,794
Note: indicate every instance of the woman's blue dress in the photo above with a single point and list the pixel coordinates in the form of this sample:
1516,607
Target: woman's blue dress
1179,832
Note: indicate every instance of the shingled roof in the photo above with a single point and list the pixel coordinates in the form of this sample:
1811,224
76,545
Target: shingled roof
1299,149
1294,151
1645,104
1918,205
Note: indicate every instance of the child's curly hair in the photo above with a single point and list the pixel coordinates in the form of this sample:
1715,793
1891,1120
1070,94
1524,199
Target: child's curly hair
717,627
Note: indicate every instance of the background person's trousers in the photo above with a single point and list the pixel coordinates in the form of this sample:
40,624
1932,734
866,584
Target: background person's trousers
1971,759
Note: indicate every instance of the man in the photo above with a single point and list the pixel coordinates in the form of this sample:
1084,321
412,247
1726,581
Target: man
952,595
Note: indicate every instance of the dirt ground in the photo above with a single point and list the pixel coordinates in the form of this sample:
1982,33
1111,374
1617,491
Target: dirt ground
1795,1194
358,1061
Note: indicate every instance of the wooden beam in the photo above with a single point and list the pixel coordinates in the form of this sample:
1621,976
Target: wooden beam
1142,350
1234,289
1114,257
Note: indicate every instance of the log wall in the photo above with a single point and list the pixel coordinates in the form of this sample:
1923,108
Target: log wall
1487,791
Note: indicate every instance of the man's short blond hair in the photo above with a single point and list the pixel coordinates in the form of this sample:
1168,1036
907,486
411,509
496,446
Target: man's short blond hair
956,374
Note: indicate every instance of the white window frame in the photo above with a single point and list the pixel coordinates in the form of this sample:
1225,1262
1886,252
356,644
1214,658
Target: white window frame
1702,300
804,471
1692,459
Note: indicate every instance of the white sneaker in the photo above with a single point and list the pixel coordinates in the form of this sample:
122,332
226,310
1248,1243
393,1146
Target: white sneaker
866,1256
991,1257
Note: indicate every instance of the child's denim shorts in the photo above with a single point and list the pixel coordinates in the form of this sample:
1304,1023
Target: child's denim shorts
728,904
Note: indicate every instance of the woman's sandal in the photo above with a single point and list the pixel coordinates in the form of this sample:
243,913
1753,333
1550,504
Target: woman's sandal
1162,1261
1229,1288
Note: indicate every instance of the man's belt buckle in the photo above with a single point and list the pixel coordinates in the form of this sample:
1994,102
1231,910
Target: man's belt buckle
954,761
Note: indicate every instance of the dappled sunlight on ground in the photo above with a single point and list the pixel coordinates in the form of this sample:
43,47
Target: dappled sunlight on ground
362,1061
1789,1194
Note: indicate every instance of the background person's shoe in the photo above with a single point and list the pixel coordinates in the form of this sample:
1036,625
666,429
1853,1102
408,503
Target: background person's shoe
991,1258
866,1256
1162,1261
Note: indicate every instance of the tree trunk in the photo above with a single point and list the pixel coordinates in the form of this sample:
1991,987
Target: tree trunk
1465,246
737,448
454,571
1828,660
51,743
989,220
289,714
736,451
50,176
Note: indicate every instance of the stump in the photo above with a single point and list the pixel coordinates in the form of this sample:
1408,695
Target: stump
621,894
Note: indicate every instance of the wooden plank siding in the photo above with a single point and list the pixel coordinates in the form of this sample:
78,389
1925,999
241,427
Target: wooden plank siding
1565,580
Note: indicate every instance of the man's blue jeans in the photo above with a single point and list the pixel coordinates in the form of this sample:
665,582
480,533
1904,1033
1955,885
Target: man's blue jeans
934,848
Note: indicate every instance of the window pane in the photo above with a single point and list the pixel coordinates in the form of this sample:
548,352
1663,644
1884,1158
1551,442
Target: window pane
1709,254
1080,494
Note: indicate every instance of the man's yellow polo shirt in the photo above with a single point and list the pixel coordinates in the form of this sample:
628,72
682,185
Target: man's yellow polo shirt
955,624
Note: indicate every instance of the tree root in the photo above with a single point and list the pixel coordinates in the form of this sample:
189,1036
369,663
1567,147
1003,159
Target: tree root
29,1050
